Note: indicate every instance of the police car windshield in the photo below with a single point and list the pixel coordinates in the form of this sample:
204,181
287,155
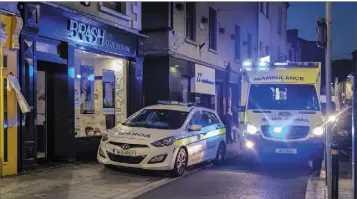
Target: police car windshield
283,97
158,119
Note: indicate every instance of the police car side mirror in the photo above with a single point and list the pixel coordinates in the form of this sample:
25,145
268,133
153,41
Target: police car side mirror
194,128
241,109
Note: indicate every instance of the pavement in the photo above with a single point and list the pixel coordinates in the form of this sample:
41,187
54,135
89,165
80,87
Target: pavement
89,181
316,188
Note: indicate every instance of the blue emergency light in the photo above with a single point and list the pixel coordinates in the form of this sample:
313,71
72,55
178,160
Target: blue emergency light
286,65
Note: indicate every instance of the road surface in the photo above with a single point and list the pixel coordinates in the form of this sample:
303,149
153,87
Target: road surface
236,180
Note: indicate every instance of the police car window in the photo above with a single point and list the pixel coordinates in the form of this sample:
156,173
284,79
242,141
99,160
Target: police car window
196,119
209,119
158,118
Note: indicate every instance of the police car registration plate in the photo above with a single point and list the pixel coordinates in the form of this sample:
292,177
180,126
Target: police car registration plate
286,150
124,152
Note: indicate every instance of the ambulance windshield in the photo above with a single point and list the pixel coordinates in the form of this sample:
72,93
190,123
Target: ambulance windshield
283,97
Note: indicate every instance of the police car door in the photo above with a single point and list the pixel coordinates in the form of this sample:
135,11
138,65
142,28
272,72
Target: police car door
196,147
210,134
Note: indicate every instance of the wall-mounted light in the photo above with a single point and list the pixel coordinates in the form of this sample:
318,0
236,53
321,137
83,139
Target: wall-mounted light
78,76
86,3
179,6
204,20
222,30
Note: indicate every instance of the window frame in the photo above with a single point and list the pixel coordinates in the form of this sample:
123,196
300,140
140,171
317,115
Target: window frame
190,17
121,15
212,29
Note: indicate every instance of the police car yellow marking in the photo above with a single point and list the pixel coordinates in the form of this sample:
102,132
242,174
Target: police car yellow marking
195,138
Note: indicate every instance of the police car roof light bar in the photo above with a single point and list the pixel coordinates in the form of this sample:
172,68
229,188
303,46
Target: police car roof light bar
176,103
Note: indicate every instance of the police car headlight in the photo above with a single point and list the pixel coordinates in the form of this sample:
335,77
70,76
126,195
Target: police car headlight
251,129
318,131
164,142
105,136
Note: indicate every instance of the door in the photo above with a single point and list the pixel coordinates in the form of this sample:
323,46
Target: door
196,147
210,134
41,94
52,97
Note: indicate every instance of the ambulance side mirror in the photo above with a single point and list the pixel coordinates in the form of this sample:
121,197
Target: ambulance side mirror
241,109
194,128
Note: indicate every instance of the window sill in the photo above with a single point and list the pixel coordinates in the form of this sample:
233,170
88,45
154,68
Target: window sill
212,51
189,41
113,12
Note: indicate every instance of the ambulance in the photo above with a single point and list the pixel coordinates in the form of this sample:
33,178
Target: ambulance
281,113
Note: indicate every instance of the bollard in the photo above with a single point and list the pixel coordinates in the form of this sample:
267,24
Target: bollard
335,173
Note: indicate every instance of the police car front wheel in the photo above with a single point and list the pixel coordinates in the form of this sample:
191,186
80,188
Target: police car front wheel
180,163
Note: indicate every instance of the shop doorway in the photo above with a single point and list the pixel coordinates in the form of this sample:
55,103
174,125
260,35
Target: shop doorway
51,95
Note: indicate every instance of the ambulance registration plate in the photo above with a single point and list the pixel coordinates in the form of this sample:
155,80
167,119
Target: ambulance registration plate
286,150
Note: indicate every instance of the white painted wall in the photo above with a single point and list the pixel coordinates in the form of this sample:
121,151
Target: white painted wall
268,31
243,14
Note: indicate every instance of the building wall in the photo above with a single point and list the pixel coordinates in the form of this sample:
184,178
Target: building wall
268,31
264,31
180,45
169,36
131,19
243,14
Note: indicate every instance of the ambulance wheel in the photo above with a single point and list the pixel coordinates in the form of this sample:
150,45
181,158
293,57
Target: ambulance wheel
221,152
180,163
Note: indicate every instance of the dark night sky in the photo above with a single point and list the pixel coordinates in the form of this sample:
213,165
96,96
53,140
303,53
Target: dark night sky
302,16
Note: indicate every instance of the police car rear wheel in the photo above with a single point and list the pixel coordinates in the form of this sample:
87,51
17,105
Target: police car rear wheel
180,163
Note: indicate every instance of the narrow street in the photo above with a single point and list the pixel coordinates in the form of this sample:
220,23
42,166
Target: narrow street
238,181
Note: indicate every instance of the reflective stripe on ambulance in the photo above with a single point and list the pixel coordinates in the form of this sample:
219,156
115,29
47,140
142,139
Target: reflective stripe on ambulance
199,137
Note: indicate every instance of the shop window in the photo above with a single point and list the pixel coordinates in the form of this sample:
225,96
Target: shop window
212,29
100,93
185,89
191,21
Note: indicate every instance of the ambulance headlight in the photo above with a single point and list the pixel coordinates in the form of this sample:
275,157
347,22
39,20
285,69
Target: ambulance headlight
164,142
318,131
251,129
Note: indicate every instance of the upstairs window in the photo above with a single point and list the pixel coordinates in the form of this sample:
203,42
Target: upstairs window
191,21
114,8
237,43
249,47
280,20
212,29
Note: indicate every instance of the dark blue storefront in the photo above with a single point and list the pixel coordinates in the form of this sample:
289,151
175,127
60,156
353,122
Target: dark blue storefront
63,31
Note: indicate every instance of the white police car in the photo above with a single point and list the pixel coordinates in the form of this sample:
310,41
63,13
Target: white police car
167,136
